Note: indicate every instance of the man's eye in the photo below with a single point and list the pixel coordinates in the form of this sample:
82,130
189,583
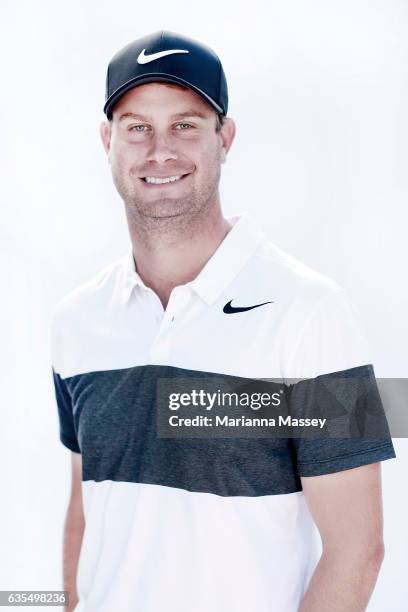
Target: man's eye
140,127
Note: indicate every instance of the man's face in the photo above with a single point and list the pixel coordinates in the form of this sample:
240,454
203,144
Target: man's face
161,131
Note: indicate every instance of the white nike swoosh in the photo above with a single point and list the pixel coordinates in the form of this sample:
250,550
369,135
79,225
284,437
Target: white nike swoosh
145,59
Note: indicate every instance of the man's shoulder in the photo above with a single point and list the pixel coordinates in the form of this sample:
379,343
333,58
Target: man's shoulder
90,294
292,277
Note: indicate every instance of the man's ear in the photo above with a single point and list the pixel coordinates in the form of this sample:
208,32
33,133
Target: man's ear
105,132
227,134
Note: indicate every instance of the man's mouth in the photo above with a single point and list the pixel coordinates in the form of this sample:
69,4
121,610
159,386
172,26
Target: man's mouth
168,180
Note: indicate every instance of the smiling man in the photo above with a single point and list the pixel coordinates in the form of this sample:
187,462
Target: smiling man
166,146
184,523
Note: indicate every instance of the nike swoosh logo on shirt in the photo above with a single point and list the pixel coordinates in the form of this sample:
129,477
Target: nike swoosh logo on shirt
145,59
228,309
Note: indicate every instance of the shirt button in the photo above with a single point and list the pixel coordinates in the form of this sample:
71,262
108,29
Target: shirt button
172,318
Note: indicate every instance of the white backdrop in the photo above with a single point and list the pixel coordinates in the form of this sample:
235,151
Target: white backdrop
318,91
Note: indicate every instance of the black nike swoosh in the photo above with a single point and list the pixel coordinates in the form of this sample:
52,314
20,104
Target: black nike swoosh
228,309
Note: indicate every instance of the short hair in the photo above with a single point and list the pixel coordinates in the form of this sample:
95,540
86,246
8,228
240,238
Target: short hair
219,122
220,117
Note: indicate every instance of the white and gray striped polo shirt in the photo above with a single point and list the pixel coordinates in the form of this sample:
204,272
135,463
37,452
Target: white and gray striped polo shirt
195,523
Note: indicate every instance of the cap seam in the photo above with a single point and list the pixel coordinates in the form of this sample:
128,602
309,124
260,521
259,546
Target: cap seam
107,82
161,49
219,80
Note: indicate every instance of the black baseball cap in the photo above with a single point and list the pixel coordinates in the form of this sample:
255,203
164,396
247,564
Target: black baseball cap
169,58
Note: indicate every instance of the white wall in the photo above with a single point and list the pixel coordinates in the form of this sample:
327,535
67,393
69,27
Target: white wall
319,93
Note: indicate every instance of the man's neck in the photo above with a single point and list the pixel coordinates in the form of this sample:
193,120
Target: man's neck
175,251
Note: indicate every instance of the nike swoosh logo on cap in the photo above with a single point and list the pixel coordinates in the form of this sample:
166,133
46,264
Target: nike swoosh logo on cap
228,309
145,59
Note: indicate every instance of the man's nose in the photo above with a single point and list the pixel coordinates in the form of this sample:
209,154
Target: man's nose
161,149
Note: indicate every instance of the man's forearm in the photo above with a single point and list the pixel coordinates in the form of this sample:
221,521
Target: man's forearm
73,533
343,582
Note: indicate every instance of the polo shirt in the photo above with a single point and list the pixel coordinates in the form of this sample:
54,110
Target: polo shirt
182,524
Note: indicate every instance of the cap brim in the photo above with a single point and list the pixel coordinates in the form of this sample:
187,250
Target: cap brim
159,77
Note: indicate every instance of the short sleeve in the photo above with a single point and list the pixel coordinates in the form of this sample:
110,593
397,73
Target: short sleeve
333,349
68,435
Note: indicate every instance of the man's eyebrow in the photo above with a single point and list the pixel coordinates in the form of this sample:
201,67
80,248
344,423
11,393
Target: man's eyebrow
188,113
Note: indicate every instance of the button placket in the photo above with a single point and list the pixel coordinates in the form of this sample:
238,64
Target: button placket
176,301
162,343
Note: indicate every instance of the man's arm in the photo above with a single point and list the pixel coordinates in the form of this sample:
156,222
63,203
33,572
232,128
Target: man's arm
347,509
73,532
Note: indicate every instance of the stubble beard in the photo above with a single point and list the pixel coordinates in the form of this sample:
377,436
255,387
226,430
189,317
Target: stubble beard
165,214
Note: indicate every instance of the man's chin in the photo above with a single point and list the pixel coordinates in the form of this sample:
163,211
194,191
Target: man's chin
164,208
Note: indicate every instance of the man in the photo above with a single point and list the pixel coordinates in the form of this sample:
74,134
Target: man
196,523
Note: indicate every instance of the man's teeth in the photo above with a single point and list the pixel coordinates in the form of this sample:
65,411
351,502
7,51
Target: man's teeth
159,181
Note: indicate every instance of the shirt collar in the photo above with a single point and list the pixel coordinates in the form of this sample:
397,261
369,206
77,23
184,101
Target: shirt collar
229,258
131,278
